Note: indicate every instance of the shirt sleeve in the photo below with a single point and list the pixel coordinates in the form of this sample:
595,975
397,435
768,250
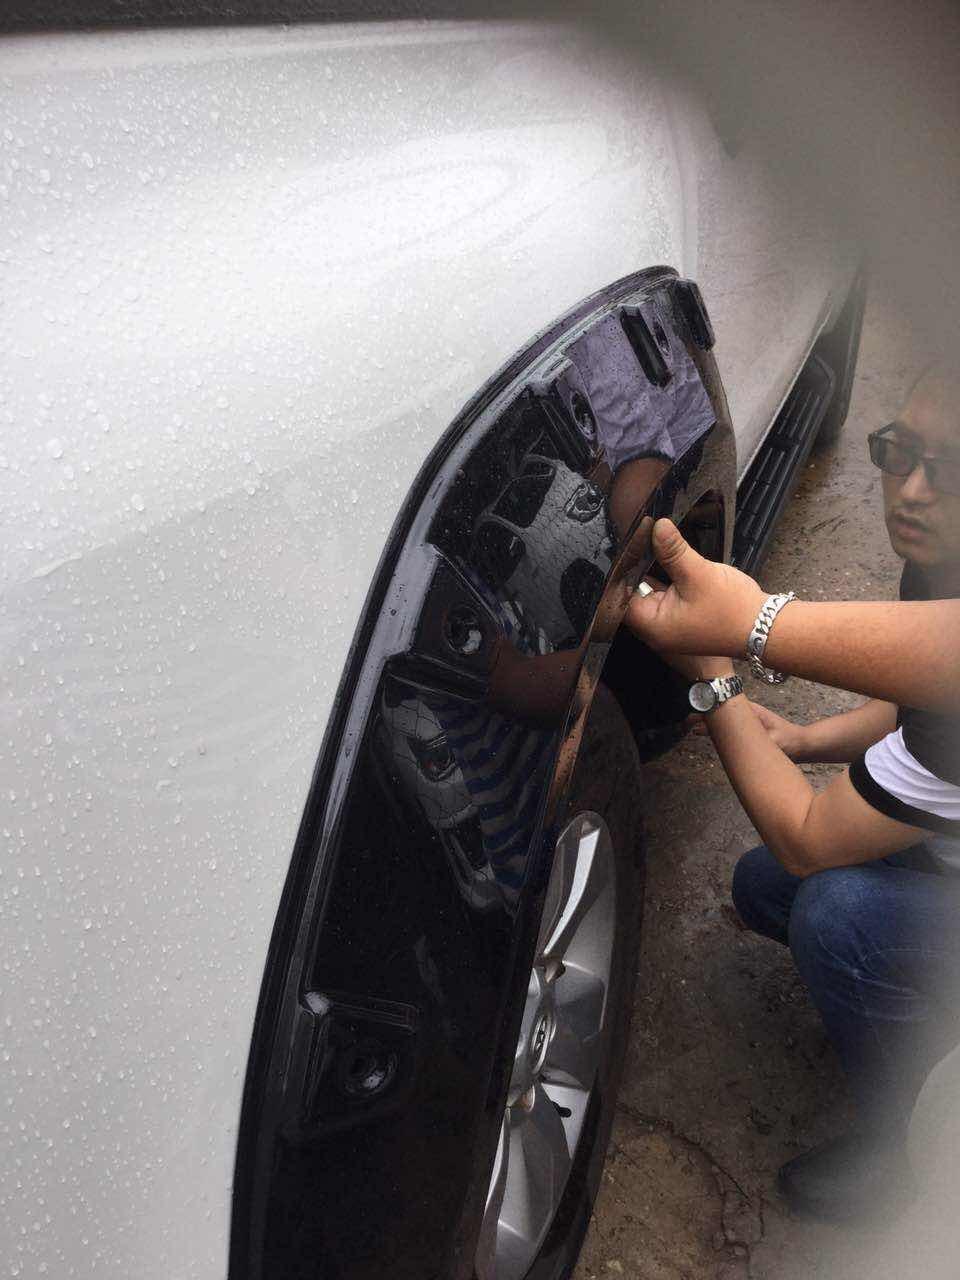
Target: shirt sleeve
895,783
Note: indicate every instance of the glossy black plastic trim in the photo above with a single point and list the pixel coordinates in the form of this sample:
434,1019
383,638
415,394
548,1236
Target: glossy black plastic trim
645,345
387,1013
691,306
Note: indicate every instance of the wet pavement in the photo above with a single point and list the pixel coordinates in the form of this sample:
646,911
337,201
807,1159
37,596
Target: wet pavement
729,1072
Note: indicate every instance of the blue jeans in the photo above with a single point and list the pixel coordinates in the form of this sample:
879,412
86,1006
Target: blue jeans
878,946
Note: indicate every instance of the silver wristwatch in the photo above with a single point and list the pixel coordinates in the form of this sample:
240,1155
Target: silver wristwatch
757,639
707,695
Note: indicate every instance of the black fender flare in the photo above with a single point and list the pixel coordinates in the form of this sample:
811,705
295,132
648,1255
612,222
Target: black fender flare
384,1032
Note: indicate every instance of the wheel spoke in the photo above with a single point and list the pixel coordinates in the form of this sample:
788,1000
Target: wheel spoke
579,999
557,1054
571,1104
538,1165
574,1051
582,875
562,876
486,1263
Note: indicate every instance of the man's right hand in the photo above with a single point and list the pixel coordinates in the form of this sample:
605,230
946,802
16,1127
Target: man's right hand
708,607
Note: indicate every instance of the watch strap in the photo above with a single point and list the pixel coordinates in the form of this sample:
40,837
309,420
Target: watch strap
726,687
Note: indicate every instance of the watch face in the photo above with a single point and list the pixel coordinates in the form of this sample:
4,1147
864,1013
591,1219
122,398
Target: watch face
703,696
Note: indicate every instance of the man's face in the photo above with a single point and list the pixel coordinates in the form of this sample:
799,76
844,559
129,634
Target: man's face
923,523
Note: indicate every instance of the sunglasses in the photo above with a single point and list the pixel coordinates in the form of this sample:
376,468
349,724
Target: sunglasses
891,455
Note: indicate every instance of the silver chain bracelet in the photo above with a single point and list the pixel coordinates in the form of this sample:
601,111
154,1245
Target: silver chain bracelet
757,640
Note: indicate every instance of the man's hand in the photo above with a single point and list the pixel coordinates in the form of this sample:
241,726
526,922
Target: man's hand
788,736
708,608
692,666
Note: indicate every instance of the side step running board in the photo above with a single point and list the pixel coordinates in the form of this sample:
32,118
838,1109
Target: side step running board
774,472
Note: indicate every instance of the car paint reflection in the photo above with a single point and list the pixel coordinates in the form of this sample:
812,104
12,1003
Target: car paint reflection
579,455
414,895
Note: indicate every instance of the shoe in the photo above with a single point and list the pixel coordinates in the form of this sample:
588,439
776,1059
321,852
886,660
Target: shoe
857,1176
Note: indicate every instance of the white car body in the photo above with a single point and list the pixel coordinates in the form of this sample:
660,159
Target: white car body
250,275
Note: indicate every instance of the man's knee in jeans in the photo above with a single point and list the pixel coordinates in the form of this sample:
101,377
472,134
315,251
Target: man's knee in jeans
830,921
763,893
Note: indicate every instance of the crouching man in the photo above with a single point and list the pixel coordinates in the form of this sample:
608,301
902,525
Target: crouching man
860,880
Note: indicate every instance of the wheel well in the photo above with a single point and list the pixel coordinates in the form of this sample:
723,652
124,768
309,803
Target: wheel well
652,695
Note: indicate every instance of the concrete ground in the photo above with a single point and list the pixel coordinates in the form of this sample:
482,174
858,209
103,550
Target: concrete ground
729,1072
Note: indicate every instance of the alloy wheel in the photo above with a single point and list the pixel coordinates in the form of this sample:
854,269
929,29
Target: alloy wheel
557,1054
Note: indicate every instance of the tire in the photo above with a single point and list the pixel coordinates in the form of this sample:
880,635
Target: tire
839,349
607,783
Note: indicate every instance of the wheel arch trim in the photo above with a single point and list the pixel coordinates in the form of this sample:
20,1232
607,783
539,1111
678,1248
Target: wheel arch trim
426,720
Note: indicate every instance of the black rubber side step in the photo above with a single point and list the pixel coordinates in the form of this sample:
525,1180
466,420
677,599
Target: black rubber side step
773,474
